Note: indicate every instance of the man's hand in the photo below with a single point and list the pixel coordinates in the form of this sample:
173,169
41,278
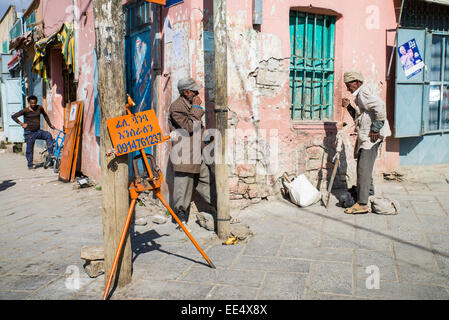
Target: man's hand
196,101
174,135
345,102
374,136
24,125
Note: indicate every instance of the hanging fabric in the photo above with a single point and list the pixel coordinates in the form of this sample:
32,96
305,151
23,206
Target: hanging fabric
64,36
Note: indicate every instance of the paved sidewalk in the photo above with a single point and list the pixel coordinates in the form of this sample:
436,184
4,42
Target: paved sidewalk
295,253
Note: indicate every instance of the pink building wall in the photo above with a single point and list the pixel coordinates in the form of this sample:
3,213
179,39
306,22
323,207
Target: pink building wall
361,42
55,13
54,107
254,56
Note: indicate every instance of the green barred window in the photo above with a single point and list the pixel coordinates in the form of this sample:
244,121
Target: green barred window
311,65
16,29
5,47
30,21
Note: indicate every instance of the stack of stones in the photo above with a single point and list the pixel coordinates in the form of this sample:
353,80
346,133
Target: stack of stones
250,185
94,257
320,162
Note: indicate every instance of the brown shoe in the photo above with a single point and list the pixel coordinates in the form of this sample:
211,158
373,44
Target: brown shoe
358,209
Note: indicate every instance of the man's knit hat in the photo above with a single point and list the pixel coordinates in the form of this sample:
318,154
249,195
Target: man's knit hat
353,76
188,84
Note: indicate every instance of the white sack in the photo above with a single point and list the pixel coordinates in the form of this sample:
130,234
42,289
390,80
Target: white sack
302,192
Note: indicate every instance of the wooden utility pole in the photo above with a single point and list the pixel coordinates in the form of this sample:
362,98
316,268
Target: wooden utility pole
221,117
109,35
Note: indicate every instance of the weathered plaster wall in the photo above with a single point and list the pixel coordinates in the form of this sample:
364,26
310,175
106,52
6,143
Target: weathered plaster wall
55,13
258,82
173,68
85,91
258,87
54,108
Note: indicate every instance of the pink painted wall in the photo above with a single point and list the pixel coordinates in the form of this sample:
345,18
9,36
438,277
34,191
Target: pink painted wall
55,13
57,90
361,42
90,154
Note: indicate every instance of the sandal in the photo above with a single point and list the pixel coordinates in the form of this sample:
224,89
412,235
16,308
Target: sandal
357,209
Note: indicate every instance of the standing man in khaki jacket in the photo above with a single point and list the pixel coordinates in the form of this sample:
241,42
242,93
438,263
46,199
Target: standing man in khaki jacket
370,116
191,172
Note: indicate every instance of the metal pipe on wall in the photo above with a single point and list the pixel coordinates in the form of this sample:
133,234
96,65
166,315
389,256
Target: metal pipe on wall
75,12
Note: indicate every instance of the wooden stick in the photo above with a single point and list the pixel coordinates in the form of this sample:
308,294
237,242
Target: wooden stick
337,162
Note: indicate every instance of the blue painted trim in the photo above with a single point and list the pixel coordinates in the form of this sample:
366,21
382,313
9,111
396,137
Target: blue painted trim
425,150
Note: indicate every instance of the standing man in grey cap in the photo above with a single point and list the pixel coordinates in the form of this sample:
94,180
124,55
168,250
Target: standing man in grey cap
370,116
185,115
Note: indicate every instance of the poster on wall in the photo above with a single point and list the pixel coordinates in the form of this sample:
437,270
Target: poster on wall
168,31
141,91
410,58
178,42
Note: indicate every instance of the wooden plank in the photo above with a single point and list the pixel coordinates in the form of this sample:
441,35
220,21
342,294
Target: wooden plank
69,143
77,139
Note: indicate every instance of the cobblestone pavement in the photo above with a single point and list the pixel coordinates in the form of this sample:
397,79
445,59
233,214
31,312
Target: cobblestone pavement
295,253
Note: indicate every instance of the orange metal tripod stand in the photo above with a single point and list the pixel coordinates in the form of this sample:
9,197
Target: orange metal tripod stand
153,183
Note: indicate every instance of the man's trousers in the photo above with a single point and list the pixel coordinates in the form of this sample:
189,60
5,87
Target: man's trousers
184,183
365,165
31,137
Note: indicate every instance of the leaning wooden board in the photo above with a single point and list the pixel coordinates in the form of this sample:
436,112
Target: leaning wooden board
73,125
77,141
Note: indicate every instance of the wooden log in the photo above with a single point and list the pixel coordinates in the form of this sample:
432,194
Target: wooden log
221,118
108,15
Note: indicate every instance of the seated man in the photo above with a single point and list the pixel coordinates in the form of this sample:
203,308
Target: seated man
32,126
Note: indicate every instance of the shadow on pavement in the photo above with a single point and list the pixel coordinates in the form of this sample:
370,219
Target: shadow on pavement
380,233
6,184
144,242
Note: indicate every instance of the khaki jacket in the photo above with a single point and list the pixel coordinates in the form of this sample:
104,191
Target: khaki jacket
369,108
187,144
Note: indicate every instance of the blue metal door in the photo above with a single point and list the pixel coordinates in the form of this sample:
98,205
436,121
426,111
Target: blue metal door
138,54
138,59
12,100
410,89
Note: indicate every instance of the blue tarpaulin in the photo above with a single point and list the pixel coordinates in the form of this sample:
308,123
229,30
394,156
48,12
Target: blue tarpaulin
173,3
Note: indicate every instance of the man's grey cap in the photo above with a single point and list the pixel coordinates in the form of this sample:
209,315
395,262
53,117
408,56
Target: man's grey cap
188,84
